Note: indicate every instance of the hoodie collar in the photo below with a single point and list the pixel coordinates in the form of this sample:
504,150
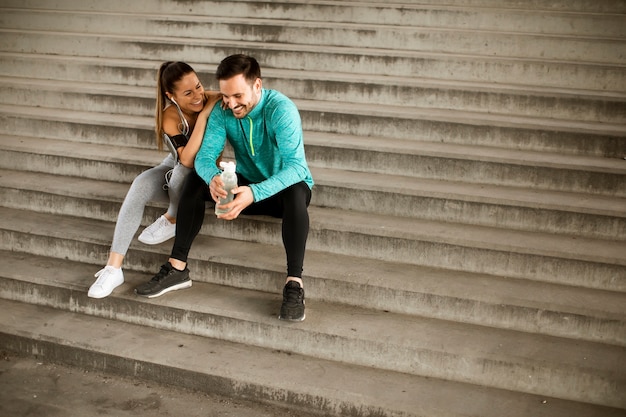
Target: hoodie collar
259,106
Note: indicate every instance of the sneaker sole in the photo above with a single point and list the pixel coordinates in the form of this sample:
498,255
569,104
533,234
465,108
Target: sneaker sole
98,296
296,320
180,286
154,242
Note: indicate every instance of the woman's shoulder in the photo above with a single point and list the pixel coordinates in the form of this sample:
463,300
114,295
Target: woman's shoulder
170,121
170,111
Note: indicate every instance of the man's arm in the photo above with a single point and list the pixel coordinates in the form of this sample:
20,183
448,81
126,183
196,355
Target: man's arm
212,145
188,153
287,126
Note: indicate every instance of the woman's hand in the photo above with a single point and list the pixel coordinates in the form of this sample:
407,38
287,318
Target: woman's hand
210,98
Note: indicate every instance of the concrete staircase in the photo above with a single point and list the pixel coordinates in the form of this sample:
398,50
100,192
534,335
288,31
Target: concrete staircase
467,252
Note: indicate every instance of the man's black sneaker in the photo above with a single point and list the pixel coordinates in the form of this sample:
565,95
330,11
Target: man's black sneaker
293,302
168,279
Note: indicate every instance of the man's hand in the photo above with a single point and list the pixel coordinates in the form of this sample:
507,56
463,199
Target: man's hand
216,188
243,198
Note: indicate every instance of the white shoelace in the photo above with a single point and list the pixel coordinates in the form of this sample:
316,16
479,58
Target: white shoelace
160,223
102,275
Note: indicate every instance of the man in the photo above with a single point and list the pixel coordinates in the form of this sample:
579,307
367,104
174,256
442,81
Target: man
265,131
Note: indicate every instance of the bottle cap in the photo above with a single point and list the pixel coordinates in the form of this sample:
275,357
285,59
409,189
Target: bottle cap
228,166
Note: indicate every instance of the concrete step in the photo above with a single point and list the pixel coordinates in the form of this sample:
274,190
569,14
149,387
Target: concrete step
589,263
463,297
418,125
582,17
79,127
468,164
564,213
82,93
298,32
540,365
537,256
384,62
63,131
466,128
78,234
329,387
543,257
493,206
523,130
438,278
515,208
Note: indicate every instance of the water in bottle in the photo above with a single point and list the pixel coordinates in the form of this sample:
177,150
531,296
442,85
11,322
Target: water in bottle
230,181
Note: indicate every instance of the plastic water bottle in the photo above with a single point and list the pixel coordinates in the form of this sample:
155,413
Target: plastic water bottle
230,181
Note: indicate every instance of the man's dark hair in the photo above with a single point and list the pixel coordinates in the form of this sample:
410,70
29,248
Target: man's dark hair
238,64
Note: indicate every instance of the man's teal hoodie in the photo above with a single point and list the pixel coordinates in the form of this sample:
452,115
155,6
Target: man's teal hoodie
268,144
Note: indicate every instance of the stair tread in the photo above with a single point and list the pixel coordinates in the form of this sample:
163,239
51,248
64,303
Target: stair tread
256,367
400,112
340,333
313,47
403,278
392,80
309,23
461,279
470,152
543,244
424,28
463,6
339,320
592,74
428,94
470,117
221,27
85,117
497,194
426,148
594,250
83,87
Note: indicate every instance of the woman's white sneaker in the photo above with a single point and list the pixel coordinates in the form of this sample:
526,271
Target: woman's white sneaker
158,232
108,278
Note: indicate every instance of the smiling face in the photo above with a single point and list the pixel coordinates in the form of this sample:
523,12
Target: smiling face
239,95
188,93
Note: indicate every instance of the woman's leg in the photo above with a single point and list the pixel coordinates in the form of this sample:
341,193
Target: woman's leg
175,189
147,186
174,275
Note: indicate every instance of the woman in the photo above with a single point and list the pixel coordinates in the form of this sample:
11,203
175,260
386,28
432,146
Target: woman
182,107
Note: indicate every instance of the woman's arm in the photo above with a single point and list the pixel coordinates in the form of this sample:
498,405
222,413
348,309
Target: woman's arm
187,154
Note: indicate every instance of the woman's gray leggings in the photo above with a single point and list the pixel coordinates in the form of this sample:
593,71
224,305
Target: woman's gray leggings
150,185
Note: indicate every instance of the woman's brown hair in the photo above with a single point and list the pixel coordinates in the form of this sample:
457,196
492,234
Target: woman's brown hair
169,73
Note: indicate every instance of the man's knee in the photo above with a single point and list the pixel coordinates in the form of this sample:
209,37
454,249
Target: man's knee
297,196
194,187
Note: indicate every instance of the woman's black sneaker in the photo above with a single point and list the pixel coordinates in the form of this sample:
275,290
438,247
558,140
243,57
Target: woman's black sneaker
293,302
168,279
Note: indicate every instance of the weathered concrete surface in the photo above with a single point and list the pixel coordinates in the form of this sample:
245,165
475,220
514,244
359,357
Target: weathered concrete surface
33,387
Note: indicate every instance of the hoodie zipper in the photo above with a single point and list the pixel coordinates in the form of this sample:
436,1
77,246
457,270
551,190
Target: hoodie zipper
251,133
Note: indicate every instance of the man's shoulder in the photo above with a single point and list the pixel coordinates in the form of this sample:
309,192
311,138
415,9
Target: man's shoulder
275,97
278,103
